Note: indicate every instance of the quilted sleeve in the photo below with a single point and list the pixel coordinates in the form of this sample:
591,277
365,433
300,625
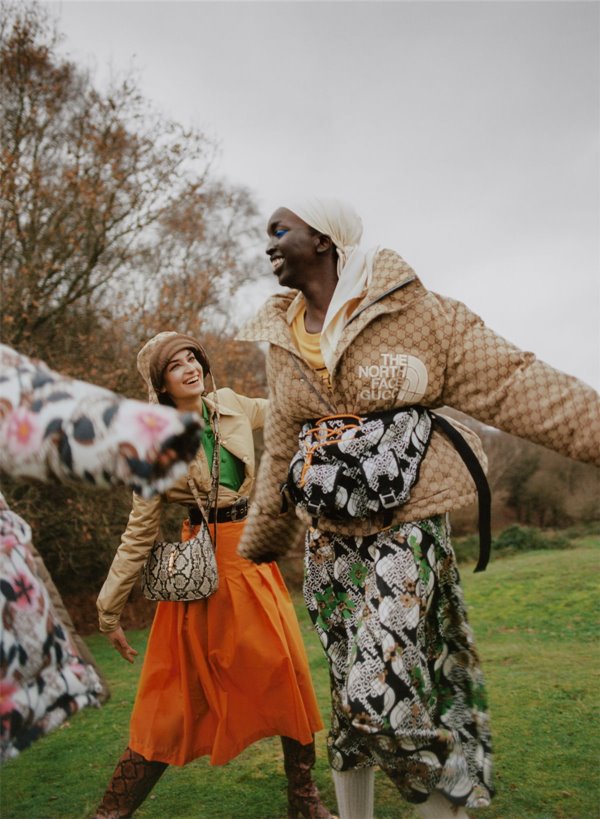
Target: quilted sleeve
498,384
269,531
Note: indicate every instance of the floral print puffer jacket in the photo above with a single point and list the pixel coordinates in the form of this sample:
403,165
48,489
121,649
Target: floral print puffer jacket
55,428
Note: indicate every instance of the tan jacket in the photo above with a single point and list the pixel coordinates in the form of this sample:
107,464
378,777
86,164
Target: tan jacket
406,345
238,416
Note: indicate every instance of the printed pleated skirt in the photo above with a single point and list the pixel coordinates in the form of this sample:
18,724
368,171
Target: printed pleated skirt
221,673
407,688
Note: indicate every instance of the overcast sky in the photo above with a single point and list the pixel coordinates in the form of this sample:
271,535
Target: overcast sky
465,133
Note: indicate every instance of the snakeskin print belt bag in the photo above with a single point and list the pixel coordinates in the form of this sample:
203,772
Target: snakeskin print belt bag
348,466
182,571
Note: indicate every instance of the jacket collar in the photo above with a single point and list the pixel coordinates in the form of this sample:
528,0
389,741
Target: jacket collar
384,295
224,409
270,323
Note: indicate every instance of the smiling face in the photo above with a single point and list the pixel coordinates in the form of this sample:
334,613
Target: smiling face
183,379
293,247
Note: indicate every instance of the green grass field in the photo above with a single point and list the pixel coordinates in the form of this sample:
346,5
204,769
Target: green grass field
535,618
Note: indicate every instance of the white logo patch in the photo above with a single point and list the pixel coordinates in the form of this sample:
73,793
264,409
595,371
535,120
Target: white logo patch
401,377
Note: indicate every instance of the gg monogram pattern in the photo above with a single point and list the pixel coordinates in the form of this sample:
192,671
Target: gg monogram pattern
407,689
433,346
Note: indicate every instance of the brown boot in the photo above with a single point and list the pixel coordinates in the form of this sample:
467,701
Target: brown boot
132,781
304,801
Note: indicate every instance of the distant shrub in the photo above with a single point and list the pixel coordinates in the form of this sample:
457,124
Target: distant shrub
466,548
527,538
588,528
518,539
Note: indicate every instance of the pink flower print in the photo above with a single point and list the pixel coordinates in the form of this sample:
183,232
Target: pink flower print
152,424
7,692
78,669
25,592
23,434
8,542
148,426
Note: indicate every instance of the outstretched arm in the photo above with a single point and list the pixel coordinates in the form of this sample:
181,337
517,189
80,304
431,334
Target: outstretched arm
500,385
55,427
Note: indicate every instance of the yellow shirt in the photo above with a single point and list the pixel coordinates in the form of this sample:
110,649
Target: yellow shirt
308,345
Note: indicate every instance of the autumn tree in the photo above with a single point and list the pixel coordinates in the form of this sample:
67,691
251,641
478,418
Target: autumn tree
105,205
205,249
113,226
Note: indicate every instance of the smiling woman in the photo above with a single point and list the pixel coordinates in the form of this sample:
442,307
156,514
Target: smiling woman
183,379
210,684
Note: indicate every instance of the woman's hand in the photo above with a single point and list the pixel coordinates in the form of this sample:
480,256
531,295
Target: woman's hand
119,641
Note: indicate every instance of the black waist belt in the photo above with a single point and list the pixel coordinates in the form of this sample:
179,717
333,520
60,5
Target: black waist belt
484,496
226,514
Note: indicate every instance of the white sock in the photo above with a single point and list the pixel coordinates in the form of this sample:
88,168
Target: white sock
354,792
438,807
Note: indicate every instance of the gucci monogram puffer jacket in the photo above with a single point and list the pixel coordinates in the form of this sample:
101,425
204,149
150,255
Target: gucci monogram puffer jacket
407,345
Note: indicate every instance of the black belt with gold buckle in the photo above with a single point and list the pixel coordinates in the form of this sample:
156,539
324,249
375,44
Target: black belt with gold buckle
226,514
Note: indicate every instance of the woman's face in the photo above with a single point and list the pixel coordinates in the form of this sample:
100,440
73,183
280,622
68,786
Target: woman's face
292,247
183,379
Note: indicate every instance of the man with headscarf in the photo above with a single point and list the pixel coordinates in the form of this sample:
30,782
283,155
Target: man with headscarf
360,334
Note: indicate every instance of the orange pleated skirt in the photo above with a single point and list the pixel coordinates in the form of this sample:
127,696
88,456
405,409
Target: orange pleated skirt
221,673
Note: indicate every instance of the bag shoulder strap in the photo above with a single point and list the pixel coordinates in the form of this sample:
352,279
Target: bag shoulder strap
484,497
215,469
197,498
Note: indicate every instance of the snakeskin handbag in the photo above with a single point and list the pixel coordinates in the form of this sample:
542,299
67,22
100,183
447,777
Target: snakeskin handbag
185,570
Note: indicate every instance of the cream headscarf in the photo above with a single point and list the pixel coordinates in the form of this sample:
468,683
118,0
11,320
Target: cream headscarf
340,221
